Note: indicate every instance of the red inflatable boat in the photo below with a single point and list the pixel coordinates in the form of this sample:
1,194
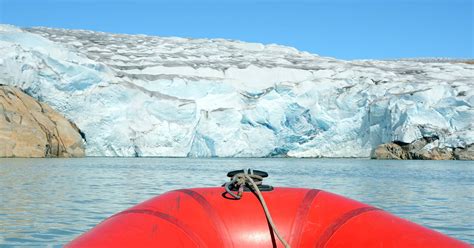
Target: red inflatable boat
211,217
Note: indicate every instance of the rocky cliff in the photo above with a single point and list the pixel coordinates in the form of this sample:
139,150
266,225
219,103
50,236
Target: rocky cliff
29,128
424,149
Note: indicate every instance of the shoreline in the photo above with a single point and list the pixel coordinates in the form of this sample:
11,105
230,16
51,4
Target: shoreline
218,158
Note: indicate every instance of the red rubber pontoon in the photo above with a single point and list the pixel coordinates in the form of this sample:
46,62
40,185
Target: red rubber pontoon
208,217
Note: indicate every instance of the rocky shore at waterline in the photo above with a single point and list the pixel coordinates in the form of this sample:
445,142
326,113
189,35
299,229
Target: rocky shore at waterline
29,128
423,149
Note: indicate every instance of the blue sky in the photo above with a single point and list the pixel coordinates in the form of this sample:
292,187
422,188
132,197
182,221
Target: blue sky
346,29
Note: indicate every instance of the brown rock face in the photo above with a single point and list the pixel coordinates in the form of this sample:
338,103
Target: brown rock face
434,154
390,151
464,153
29,128
422,149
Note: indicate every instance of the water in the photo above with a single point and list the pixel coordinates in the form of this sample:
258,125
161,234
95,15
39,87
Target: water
47,202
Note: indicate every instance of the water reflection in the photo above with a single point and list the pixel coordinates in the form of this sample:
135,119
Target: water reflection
50,201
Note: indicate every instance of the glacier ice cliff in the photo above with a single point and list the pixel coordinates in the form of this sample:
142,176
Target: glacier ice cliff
137,95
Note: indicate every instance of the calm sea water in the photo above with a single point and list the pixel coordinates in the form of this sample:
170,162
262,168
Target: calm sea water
47,202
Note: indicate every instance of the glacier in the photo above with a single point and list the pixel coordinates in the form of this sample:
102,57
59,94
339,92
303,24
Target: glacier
138,95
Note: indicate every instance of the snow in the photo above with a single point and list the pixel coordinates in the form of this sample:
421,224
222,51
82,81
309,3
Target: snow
137,95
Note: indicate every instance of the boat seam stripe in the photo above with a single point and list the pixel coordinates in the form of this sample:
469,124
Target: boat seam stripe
300,217
168,218
328,233
221,228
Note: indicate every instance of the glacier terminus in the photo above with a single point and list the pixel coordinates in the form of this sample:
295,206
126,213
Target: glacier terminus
138,95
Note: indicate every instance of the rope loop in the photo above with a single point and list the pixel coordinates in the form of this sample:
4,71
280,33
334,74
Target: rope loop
248,178
240,180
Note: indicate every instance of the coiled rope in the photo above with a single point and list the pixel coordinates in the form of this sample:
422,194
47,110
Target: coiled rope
239,180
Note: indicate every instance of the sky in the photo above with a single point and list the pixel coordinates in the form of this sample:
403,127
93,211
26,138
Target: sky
345,29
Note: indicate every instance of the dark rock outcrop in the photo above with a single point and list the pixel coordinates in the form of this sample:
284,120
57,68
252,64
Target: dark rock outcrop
464,153
424,149
390,151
